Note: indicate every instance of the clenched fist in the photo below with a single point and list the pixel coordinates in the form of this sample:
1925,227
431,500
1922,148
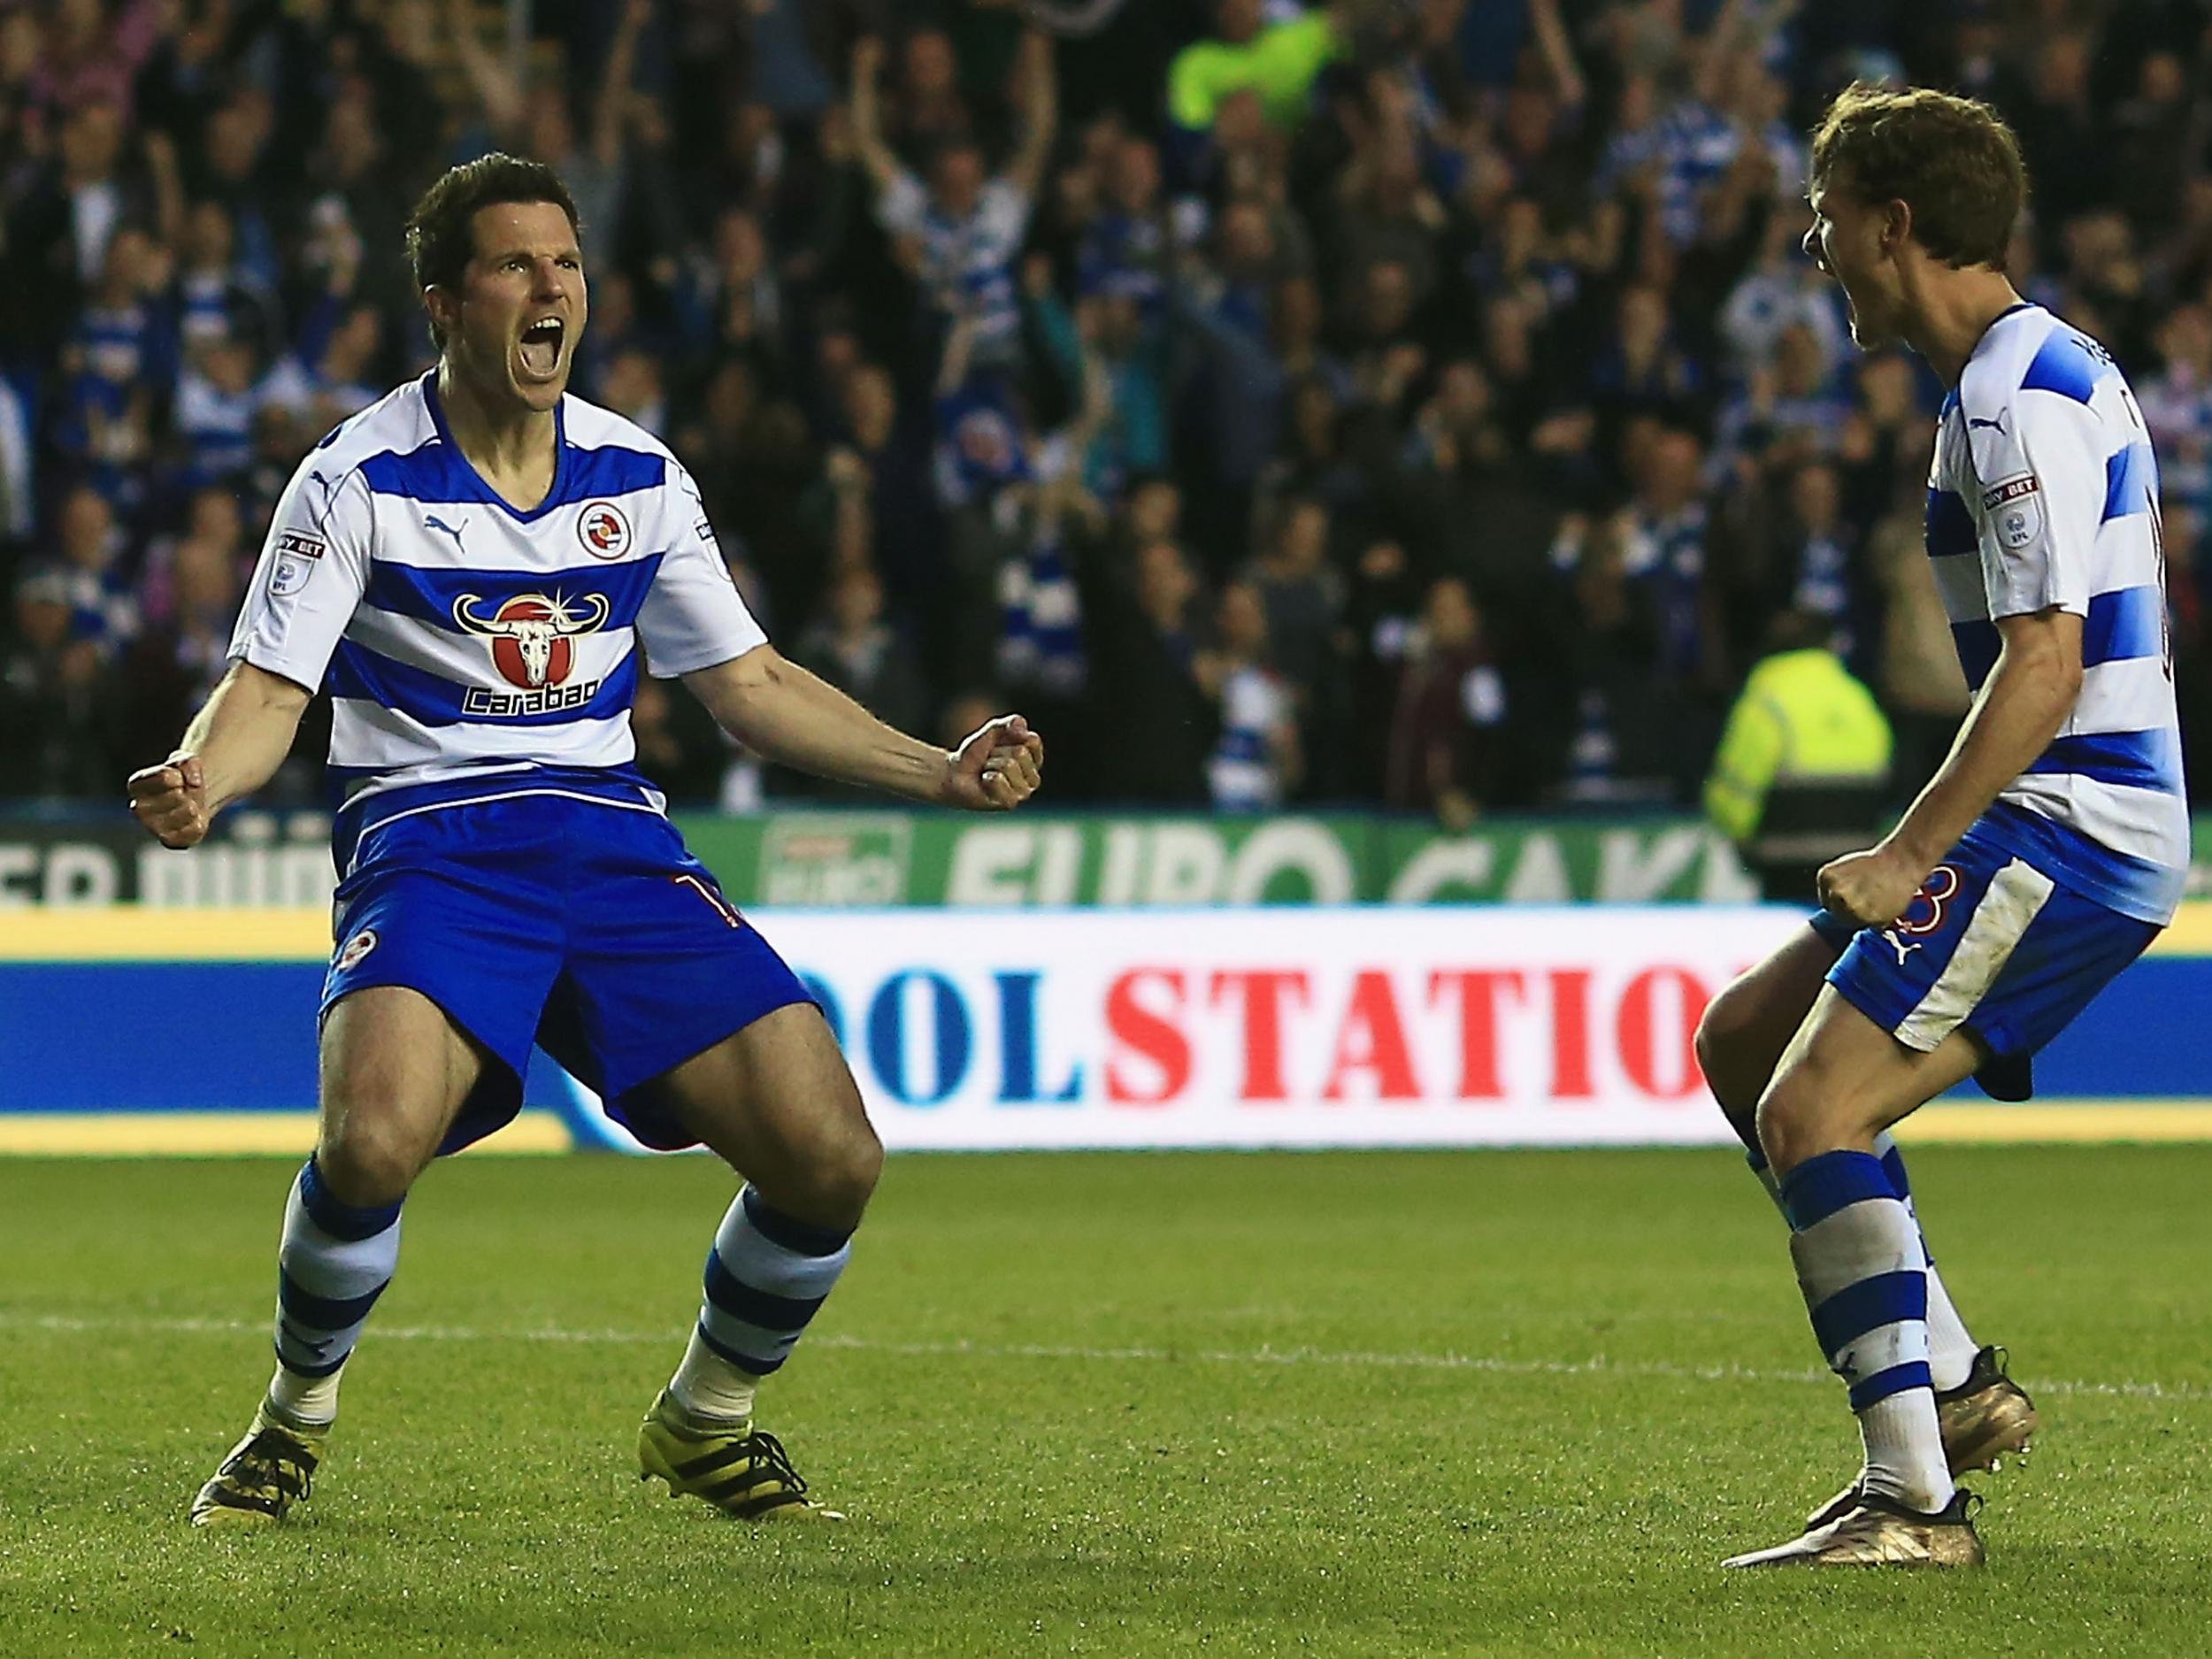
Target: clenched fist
171,800
1872,888
997,768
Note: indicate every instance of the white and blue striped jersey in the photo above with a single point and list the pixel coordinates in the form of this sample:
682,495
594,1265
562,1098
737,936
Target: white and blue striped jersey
967,264
460,638
2043,494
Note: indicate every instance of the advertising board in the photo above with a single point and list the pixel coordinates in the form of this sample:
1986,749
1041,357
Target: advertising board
1337,1026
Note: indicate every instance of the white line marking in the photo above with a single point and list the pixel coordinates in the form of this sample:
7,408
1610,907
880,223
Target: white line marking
1597,1365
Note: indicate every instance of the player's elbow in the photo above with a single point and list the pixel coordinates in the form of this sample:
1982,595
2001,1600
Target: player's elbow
2043,653
273,692
2055,669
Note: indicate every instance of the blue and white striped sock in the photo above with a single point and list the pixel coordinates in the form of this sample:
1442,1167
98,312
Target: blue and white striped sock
1865,1281
335,1261
1951,1347
767,1275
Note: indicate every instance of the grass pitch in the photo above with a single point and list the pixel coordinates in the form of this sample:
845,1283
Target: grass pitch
1390,1404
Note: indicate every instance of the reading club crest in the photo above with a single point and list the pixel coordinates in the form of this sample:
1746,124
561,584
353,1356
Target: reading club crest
604,530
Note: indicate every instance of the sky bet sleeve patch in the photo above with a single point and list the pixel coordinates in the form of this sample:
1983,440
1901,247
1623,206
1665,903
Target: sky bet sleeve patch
2014,507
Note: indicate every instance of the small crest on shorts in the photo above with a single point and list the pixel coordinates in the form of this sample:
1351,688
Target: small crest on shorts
356,948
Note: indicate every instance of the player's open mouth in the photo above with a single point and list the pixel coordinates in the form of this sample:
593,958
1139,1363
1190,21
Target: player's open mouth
541,347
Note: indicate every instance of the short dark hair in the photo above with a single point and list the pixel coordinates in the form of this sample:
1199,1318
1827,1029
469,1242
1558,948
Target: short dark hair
440,232
1952,160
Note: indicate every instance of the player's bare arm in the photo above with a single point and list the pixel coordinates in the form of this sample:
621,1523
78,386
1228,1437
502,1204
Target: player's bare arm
779,709
234,746
2027,698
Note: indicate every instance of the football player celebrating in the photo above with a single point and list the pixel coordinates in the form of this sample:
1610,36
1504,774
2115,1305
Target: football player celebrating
2047,851
477,568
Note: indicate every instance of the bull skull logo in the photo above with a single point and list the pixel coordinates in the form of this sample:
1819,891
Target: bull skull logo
530,634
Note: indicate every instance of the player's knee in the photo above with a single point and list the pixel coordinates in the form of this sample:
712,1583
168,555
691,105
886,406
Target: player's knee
1803,1112
845,1173
1723,1031
366,1162
823,1172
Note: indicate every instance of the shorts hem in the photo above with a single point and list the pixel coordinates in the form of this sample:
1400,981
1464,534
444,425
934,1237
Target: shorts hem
468,1126
662,1132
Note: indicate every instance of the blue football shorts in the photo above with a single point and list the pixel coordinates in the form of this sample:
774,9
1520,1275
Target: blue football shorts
584,927
1991,945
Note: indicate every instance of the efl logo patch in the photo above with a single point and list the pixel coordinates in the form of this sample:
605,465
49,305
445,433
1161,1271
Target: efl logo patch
602,530
357,947
2015,506
289,576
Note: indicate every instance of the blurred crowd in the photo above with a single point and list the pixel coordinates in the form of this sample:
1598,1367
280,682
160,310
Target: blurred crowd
1407,403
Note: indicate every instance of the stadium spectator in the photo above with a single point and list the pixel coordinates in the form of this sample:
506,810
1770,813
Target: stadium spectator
1278,61
1451,701
104,605
1256,760
60,717
1140,638
1798,776
960,235
854,646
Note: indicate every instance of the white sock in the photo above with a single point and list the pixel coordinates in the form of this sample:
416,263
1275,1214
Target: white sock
1951,1347
1765,1170
707,1389
304,1402
765,1276
1951,1350
1904,1451
1859,1264
335,1260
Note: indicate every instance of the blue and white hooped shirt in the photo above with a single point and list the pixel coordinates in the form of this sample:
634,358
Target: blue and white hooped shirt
2043,494
462,638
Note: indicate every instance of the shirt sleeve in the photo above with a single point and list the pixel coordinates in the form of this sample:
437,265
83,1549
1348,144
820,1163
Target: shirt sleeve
692,617
901,204
2040,464
1005,208
314,569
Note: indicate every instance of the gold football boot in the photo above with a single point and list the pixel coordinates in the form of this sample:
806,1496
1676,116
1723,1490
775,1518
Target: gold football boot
1878,1532
1986,1419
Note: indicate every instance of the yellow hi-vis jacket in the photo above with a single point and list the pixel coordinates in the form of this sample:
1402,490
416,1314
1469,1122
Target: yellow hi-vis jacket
1802,718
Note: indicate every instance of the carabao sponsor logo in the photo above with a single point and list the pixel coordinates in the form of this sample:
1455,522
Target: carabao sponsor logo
531,634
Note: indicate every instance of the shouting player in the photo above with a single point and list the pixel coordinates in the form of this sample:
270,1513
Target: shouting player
2047,851
478,568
